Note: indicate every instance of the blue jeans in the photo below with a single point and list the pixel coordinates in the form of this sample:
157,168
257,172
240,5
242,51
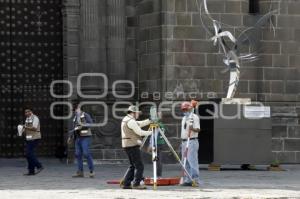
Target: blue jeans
30,155
82,149
192,164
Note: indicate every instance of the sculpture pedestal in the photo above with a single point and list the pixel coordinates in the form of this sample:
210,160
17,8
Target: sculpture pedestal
245,101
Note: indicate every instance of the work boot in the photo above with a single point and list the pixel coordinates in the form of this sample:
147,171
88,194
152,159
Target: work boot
140,187
92,174
126,187
29,174
187,184
79,174
38,170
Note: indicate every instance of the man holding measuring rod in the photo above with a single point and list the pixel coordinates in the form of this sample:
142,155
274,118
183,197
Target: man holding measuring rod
190,127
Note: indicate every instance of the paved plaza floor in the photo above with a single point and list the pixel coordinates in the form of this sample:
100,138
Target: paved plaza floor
55,182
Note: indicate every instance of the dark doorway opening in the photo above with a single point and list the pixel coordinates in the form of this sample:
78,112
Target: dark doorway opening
206,136
253,6
31,58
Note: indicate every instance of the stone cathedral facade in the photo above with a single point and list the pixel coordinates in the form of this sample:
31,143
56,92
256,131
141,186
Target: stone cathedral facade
161,46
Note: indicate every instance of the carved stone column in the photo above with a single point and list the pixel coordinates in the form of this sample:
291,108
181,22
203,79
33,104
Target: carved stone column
116,36
92,43
71,40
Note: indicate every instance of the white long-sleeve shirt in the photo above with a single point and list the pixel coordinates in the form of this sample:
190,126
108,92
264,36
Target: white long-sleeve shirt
136,125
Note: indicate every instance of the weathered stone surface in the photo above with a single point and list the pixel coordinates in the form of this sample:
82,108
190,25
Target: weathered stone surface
279,132
233,7
286,157
283,109
251,73
183,19
293,131
290,47
288,21
292,144
242,88
280,61
180,5
284,121
173,46
297,157
149,20
292,87
200,46
189,59
216,6
277,87
277,144
168,6
280,34
232,19
187,32
294,60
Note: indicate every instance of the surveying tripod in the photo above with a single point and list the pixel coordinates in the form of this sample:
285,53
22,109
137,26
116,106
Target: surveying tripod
155,128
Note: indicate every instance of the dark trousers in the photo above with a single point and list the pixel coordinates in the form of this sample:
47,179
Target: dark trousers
159,161
136,168
30,155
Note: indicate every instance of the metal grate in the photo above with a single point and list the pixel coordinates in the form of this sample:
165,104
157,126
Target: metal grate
30,58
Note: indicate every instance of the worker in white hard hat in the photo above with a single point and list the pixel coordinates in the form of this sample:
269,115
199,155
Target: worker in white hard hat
131,140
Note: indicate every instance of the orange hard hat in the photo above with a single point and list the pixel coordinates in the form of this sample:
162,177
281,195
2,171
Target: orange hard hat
186,106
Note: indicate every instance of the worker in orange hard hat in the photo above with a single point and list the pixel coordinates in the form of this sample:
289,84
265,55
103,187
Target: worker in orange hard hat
190,127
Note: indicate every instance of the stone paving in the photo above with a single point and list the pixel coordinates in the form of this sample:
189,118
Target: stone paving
56,182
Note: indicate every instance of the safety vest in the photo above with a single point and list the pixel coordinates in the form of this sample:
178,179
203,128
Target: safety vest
129,137
85,131
32,134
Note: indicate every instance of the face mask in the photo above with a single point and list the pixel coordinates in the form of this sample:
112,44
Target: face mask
78,111
186,114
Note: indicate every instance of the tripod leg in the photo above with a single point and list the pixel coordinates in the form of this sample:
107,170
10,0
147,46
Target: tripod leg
154,157
177,157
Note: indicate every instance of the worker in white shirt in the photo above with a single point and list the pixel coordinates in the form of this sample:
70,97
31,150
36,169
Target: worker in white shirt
190,127
32,131
131,140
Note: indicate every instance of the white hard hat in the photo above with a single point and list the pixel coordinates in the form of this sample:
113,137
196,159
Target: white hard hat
20,130
133,109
